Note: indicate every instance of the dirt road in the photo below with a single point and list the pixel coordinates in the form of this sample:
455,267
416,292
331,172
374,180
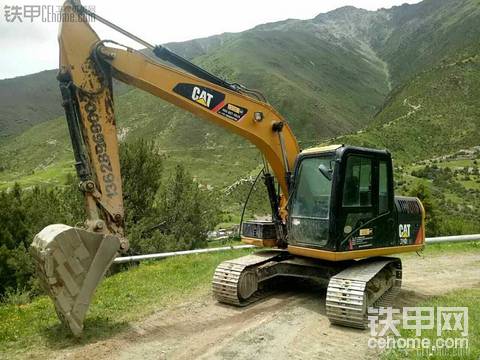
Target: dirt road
287,325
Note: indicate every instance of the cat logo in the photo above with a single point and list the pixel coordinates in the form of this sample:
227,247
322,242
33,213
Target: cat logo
204,96
404,231
201,96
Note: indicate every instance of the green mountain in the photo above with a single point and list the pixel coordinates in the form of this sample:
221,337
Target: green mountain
435,113
426,32
26,101
329,76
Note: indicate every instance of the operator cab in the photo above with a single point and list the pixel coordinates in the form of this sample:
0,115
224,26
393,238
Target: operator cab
342,199
342,206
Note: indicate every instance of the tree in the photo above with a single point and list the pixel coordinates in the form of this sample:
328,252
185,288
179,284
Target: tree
189,213
424,194
175,216
141,176
180,218
15,264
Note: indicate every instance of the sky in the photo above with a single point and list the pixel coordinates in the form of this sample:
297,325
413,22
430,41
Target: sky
31,45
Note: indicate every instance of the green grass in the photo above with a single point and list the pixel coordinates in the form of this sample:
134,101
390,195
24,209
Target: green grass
40,155
126,296
54,175
129,296
465,297
462,298
446,248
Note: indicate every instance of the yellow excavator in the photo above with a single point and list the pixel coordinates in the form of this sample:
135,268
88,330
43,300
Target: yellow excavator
334,213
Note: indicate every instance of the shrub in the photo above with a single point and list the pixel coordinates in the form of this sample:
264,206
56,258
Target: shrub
141,177
184,212
423,193
453,225
179,219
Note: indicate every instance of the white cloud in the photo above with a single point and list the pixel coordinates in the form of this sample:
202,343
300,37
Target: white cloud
32,46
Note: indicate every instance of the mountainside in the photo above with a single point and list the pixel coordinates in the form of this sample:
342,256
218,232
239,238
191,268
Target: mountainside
328,76
426,32
28,100
435,113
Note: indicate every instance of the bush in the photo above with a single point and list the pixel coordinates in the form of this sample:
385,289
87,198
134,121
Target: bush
141,177
16,297
457,226
431,222
179,219
16,269
22,215
176,216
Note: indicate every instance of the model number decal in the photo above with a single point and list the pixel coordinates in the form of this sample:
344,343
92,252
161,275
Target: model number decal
233,112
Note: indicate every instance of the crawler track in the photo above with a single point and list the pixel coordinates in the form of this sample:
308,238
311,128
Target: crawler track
353,290
235,282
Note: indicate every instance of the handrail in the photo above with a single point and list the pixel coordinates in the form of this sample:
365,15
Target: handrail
125,259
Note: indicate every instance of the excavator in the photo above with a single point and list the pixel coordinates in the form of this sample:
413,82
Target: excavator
335,218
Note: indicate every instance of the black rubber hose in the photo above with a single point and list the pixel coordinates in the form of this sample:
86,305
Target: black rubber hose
248,198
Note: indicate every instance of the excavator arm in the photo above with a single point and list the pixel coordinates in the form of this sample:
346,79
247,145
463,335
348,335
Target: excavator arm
70,261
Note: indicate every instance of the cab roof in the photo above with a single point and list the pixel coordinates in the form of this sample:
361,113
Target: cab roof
321,149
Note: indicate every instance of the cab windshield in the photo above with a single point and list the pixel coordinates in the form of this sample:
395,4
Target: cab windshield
309,212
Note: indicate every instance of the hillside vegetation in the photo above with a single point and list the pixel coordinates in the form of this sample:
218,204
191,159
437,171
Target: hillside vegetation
162,213
435,113
28,100
327,75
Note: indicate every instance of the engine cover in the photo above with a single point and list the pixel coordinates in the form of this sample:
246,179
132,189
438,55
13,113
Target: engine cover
410,214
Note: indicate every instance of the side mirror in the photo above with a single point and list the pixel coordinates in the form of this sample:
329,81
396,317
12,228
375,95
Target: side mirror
326,171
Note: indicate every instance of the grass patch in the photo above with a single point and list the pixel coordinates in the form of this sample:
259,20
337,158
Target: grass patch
469,298
126,296
467,246
445,248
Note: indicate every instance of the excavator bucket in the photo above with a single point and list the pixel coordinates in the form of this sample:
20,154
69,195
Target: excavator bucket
70,263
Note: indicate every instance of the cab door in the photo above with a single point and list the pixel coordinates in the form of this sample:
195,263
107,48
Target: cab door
366,218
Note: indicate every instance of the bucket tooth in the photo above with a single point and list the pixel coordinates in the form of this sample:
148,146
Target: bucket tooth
70,263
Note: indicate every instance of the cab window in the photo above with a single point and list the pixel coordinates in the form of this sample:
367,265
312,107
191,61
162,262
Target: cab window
312,195
383,187
357,189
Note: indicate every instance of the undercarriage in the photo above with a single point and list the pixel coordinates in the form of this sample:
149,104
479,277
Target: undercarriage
352,286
